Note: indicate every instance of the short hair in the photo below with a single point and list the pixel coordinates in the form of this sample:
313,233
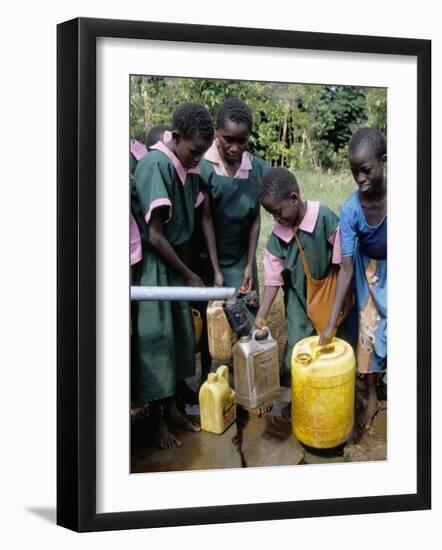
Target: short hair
370,138
192,120
278,184
156,134
236,111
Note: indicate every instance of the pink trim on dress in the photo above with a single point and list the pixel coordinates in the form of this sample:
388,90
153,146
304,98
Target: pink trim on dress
199,199
335,241
135,242
307,224
273,268
180,170
311,217
213,156
283,232
137,149
155,204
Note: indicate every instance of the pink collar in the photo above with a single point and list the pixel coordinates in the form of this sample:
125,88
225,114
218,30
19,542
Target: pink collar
307,224
137,149
180,170
214,157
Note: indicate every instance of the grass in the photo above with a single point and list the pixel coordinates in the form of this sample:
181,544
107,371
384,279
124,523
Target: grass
331,190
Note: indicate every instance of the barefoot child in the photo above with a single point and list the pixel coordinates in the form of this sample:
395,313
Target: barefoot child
136,154
364,259
166,190
316,227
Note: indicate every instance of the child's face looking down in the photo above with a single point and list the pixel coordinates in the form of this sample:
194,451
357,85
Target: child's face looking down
232,140
367,170
285,211
189,151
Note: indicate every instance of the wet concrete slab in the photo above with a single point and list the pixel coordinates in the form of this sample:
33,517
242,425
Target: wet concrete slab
268,440
252,442
200,451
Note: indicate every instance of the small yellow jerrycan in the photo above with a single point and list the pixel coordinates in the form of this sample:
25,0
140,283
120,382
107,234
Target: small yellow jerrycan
323,390
220,336
198,326
217,402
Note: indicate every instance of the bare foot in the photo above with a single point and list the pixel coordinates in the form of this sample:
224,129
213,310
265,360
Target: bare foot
264,409
372,404
286,412
371,410
180,419
165,439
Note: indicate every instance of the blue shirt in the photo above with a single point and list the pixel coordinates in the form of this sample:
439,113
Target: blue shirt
355,231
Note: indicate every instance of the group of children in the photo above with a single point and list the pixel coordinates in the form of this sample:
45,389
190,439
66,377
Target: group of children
195,220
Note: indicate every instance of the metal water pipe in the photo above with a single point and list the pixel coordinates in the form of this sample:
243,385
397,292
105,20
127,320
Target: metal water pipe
179,293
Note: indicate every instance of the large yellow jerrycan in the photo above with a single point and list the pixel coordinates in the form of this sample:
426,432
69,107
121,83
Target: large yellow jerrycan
217,402
219,334
323,392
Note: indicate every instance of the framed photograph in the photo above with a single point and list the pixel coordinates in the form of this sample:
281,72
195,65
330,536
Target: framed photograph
307,94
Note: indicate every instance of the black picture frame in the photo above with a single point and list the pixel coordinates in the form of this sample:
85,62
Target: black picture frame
76,273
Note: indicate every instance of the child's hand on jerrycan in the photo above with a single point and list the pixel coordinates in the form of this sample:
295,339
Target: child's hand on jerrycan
261,327
326,337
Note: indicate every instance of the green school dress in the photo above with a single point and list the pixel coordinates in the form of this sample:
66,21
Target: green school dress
318,250
234,206
164,334
132,164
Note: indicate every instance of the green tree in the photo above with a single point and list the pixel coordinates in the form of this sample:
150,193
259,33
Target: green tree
377,108
340,111
295,125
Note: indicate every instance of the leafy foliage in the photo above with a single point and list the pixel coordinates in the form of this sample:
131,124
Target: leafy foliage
295,125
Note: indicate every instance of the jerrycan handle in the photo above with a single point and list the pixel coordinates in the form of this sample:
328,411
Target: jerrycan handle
223,372
265,331
328,348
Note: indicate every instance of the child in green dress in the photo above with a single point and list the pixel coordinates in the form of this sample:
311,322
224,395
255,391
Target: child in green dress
232,177
166,190
317,229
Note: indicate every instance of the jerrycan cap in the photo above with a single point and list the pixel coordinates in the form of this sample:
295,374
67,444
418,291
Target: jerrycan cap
196,313
212,378
306,354
262,334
